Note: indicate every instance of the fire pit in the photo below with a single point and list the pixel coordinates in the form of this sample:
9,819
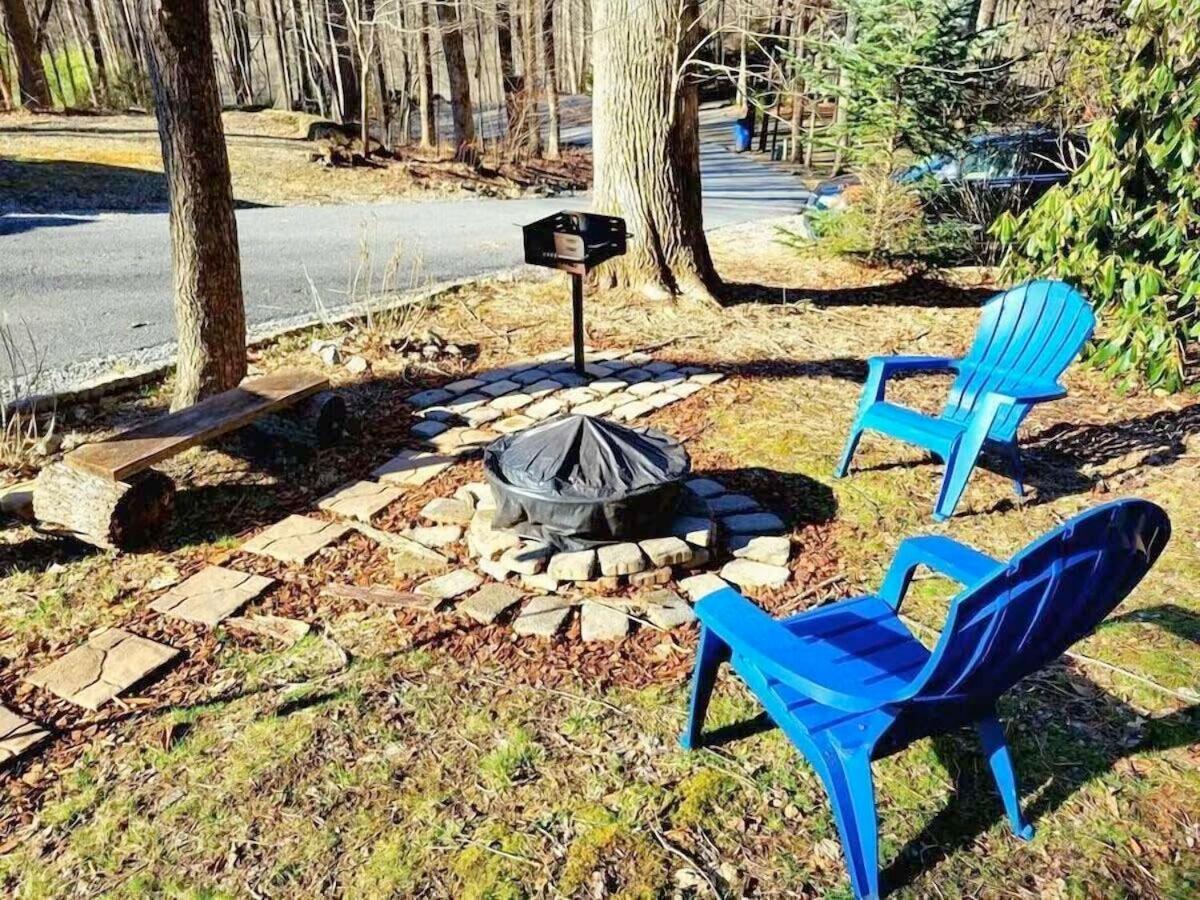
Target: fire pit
576,482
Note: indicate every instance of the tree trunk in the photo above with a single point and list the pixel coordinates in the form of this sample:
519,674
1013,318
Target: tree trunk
460,79
345,70
32,89
986,16
841,112
429,137
508,72
209,308
647,151
92,27
550,80
531,125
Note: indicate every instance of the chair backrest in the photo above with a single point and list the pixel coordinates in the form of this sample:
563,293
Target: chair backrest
1028,334
1051,594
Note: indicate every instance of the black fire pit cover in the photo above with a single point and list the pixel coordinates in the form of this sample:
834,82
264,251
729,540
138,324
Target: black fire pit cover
576,482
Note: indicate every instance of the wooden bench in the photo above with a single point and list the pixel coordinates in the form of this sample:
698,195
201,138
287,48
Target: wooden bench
107,493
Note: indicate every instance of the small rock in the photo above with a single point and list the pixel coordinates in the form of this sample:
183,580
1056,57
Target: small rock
448,511
543,583
330,354
357,365
48,444
748,574
774,551
494,569
578,565
602,623
621,559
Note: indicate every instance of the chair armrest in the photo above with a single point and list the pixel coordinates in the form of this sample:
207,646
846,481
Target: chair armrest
804,666
1039,392
890,364
944,555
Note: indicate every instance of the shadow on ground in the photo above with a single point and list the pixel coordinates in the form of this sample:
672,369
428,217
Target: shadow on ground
916,290
63,186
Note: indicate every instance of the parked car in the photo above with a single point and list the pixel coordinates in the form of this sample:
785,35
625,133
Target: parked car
1023,163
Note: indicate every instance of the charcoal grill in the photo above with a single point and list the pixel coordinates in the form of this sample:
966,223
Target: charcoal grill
575,243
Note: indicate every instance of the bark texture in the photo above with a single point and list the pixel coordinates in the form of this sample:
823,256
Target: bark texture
209,310
550,79
647,152
428,122
31,77
460,79
109,514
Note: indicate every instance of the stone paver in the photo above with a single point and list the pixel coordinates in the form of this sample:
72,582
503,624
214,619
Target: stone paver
731,504
435,535
620,559
211,595
600,407
746,573
753,523
541,583
542,616
448,586
685,390
518,422
707,377
481,415
504,373
772,550
485,541
605,386
569,379
658,367
17,735
479,493
577,565
697,586
499,388
669,379
666,551
576,396
489,602
511,402
529,558
666,609
448,511
413,467
296,539
543,388
696,530
530,376
617,364
644,389
465,386
106,665
493,569
427,429
361,500
659,400
598,622
630,411
635,376
704,488
544,409
467,402
661,575
597,370
429,398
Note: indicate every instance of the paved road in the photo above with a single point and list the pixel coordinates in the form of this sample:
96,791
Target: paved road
98,286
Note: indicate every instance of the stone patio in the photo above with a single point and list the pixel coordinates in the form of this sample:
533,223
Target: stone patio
211,595
296,539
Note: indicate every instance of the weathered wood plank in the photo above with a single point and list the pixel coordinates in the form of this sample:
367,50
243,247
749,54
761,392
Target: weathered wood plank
139,448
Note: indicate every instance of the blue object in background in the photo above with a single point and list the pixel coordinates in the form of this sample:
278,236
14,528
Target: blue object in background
848,683
743,132
1026,339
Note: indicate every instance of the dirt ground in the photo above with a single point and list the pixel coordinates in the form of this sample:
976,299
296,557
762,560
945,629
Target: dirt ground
390,754
74,162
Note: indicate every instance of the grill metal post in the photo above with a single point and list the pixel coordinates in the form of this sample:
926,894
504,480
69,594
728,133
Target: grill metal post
577,319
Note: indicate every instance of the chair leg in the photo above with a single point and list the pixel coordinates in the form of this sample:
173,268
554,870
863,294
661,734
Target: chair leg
995,747
954,482
710,653
852,795
843,465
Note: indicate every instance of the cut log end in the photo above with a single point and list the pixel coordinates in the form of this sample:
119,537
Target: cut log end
115,515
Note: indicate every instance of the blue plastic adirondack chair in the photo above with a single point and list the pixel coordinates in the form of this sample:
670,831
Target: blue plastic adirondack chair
848,683
1027,337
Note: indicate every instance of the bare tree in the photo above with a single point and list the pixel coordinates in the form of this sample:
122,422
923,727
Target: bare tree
460,78
425,113
32,89
209,310
550,79
647,153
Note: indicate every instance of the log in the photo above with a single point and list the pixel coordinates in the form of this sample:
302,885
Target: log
114,515
316,423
